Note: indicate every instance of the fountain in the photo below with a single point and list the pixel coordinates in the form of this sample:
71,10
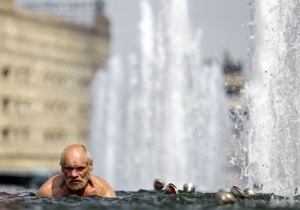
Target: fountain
274,98
161,113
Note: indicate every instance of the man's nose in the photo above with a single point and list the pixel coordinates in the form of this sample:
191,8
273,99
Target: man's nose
74,173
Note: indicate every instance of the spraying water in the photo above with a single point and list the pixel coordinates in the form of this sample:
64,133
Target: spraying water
273,132
161,113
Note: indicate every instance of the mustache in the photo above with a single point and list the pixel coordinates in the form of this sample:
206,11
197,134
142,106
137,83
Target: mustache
74,180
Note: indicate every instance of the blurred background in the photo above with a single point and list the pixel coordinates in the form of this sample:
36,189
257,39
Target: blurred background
223,24
51,52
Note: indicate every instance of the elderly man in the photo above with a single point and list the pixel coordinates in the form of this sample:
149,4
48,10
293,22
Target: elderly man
76,164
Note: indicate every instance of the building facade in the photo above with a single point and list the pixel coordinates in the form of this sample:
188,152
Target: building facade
46,66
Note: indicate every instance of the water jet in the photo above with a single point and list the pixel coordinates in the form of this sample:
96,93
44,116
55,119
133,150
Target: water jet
161,112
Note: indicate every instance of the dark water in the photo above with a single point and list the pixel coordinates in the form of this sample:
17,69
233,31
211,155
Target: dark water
143,199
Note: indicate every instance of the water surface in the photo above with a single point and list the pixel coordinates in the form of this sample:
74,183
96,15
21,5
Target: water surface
142,199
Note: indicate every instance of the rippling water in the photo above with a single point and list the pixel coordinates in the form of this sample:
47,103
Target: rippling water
142,199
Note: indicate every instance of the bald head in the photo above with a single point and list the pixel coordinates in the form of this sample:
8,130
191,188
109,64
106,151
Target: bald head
76,149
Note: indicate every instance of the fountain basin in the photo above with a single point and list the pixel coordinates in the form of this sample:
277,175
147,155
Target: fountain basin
143,199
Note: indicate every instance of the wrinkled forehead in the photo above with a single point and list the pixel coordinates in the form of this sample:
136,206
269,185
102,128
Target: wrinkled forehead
74,158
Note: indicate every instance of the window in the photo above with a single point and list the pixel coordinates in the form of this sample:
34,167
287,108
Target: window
55,107
21,134
5,104
84,110
54,136
23,76
5,72
5,133
233,91
22,107
55,79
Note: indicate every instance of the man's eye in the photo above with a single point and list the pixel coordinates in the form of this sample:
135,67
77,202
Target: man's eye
80,169
69,168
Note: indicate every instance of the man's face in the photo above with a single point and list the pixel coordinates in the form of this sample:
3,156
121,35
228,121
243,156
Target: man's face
75,170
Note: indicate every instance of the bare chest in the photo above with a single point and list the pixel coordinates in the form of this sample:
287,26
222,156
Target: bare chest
65,193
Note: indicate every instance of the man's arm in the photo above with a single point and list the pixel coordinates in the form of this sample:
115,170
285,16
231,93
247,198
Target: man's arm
45,190
109,193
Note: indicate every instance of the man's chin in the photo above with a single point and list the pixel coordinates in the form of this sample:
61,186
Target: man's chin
75,185
76,188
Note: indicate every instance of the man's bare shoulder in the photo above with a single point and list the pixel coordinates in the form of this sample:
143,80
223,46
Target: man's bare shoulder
102,187
97,178
46,190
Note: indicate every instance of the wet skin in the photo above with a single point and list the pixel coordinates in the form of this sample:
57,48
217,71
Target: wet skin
75,178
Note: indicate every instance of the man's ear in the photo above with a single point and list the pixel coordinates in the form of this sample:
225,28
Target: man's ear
91,166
